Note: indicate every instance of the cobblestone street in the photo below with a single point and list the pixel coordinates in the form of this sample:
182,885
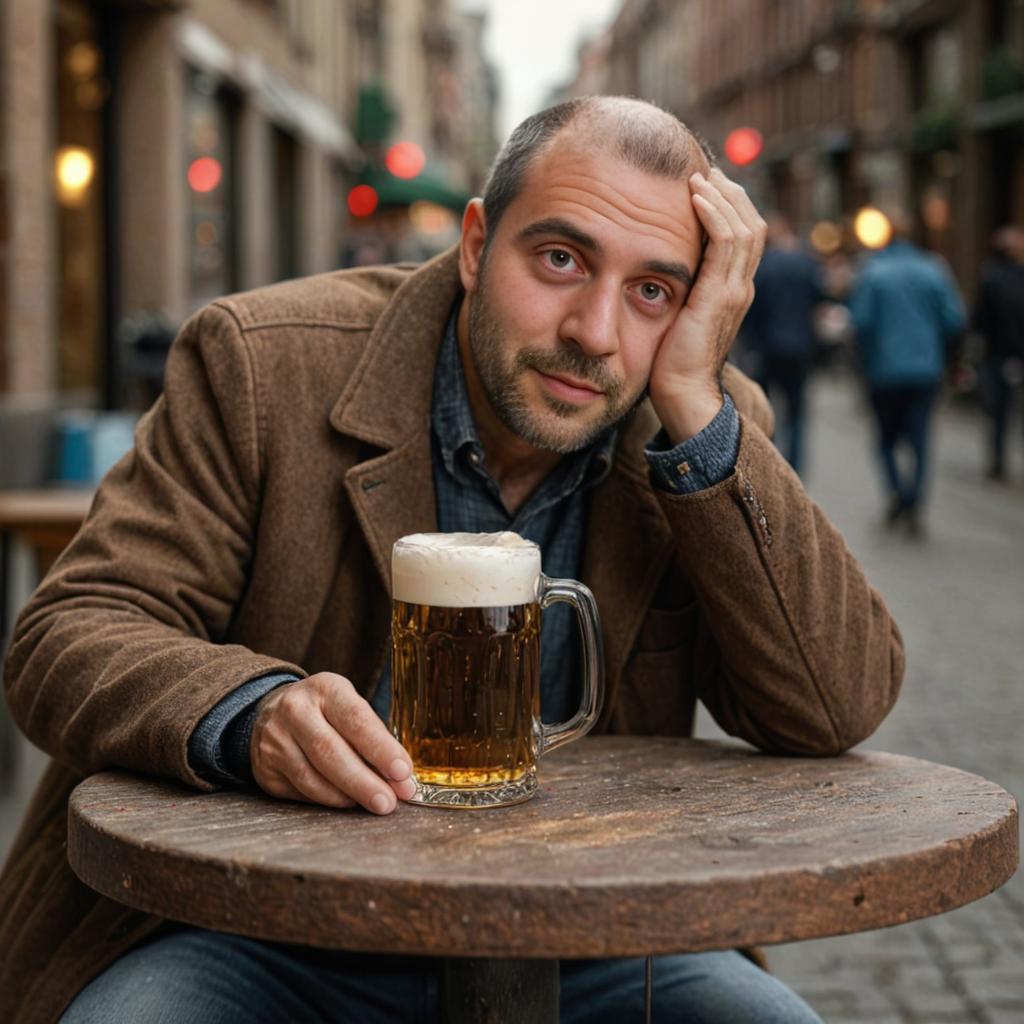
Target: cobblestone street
958,596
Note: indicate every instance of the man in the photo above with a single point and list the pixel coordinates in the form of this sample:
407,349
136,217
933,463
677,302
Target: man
223,614
999,318
779,328
906,312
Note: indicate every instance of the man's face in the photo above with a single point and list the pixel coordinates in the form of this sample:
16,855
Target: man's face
582,279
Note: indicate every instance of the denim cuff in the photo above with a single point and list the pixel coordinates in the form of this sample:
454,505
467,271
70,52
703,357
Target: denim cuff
218,749
701,462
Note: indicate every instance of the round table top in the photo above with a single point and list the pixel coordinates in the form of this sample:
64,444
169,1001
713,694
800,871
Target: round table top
632,846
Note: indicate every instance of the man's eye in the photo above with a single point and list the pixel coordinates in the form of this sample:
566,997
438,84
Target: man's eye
652,292
559,259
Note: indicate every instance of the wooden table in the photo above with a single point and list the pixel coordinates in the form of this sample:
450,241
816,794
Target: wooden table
633,846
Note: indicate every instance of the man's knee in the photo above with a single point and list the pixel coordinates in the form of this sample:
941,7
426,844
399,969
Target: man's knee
188,976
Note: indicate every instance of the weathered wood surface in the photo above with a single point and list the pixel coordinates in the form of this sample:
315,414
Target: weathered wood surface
633,846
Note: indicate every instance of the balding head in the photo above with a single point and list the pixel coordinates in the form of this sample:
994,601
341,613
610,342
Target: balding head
641,134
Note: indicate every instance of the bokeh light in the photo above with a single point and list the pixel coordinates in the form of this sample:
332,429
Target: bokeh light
431,219
204,174
362,201
826,237
872,228
75,169
743,146
405,159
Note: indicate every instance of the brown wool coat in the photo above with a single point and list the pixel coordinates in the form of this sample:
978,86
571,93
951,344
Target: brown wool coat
250,531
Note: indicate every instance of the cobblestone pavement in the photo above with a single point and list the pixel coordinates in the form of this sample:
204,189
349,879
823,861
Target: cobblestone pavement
958,596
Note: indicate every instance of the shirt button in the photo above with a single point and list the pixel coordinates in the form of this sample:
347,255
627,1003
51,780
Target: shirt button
683,468
474,457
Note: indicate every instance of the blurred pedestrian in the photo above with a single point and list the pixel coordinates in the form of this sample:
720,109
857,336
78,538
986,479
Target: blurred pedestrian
999,318
779,328
907,311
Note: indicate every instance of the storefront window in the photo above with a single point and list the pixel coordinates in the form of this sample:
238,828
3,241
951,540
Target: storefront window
210,177
78,177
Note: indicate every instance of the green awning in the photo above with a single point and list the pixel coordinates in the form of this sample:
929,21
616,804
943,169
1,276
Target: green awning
392,191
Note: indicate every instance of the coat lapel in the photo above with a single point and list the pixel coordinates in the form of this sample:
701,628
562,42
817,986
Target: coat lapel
628,545
386,404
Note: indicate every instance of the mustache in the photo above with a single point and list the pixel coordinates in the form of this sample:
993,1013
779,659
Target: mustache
574,364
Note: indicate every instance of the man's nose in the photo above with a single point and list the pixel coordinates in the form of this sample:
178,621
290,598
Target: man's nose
592,321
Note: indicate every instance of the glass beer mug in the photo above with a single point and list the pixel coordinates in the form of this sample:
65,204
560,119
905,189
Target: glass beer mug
465,634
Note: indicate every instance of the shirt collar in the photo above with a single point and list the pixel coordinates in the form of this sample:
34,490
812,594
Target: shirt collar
453,425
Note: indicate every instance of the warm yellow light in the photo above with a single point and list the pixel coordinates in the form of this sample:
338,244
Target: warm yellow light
826,237
431,219
872,228
75,170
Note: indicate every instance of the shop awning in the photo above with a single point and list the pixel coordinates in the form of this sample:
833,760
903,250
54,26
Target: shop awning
428,185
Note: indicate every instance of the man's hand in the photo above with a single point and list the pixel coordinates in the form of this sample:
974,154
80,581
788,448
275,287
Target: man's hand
317,740
684,384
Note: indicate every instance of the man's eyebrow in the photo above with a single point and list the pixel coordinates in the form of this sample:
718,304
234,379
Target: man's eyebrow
557,226
680,271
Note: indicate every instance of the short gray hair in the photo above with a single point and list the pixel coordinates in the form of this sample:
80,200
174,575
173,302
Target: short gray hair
639,132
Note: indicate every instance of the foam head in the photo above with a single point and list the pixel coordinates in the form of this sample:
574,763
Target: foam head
465,570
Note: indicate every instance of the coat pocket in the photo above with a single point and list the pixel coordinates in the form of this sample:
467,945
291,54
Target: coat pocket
656,695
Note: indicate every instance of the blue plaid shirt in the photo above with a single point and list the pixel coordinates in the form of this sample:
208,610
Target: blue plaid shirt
468,499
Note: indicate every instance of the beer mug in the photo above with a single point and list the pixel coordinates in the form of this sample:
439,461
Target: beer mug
465,667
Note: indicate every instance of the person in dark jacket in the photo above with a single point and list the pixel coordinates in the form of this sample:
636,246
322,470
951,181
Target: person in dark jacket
999,318
779,328
907,311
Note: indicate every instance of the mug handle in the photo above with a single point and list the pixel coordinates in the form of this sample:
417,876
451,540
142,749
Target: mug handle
571,592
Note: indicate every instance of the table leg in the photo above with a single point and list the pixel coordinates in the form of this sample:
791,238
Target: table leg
482,991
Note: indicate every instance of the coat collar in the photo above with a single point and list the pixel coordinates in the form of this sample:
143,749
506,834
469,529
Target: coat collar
386,404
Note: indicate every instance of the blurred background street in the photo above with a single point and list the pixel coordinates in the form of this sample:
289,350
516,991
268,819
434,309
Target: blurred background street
155,154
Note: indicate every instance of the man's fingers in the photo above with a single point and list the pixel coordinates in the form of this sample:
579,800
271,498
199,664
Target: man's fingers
355,720
746,211
333,758
293,777
743,236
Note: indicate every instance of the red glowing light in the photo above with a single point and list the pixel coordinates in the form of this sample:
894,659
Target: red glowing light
405,160
362,200
743,146
204,174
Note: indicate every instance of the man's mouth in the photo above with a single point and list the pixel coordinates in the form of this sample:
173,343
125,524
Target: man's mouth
569,389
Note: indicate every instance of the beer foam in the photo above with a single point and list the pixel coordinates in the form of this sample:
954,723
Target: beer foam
465,570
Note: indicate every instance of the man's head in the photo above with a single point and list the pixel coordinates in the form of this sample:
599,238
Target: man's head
779,231
1008,241
576,263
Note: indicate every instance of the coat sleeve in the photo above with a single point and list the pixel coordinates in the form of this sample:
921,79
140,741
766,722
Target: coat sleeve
119,653
796,652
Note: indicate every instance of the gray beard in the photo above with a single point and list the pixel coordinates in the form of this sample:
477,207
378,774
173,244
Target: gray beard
502,384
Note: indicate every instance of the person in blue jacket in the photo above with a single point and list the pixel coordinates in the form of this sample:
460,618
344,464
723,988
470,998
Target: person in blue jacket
907,311
779,328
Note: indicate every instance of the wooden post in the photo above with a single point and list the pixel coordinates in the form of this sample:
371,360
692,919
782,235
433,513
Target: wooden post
489,991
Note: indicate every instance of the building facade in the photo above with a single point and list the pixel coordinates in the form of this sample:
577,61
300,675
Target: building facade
914,103
155,154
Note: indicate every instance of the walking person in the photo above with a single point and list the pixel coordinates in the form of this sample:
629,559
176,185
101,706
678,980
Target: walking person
906,311
998,316
779,328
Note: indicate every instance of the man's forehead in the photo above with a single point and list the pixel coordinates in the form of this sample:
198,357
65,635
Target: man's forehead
599,191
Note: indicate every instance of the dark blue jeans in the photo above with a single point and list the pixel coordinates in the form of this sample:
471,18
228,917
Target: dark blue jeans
1001,389
904,414
193,976
788,377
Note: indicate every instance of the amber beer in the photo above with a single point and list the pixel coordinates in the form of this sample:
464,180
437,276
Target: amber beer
466,665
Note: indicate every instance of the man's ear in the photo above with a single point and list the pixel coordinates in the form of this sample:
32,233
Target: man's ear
471,245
